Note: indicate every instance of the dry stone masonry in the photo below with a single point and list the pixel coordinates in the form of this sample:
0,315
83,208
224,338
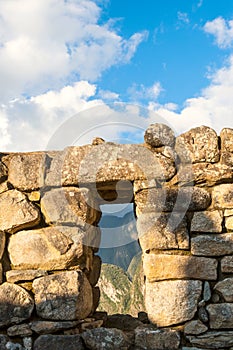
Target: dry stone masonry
182,190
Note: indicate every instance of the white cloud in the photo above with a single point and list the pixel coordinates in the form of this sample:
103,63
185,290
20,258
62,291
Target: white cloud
183,17
108,95
45,42
222,31
213,107
142,92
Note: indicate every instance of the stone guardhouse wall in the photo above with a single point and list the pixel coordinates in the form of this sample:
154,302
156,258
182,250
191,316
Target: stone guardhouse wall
182,190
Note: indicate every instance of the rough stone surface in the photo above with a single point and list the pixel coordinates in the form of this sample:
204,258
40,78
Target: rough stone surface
105,339
206,291
16,212
111,163
162,231
22,330
225,288
16,305
207,221
63,296
169,199
229,223
213,339
13,276
94,274
195,327
150,338
47,327
26,170
222,196
51,248
69,206
220,315
172,302
59,342
227,264
158,135
163,266
212,245
203,174
226,136
198,145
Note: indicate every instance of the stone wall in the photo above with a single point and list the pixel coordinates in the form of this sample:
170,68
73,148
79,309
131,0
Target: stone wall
182,189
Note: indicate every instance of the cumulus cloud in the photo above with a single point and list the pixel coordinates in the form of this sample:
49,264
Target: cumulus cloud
45,42
139,92
222,31
213,107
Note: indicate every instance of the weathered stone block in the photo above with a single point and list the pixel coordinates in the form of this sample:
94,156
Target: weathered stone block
105,338
94,274
147,337
225,288
169,199
213,339
22,330
48,327
159,267
158,135
227,264
212,245
16,212
63,296
195,327
59,342
226,136
221,315
198,145
16,305
163,231
203,174
172,302
13,276
26,170
229,223
222,196
51,248
207,221
70,206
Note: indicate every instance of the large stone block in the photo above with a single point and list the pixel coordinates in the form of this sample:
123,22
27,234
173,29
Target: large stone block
212,245
172,302
227,264
226,136
213,339
59,342
163,231
158,135
109,162
220,315
51,248
229,223
16,305
105,338
14,276
147,337
207,221
198,145
63,296
159,267
203,174
195,327
222,196
70,206
225,288
16,212
169,199
26,170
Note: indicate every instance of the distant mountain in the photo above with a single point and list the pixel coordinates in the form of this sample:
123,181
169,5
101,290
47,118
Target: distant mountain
119,234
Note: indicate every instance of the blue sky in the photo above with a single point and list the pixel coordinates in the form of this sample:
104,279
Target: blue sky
59,58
